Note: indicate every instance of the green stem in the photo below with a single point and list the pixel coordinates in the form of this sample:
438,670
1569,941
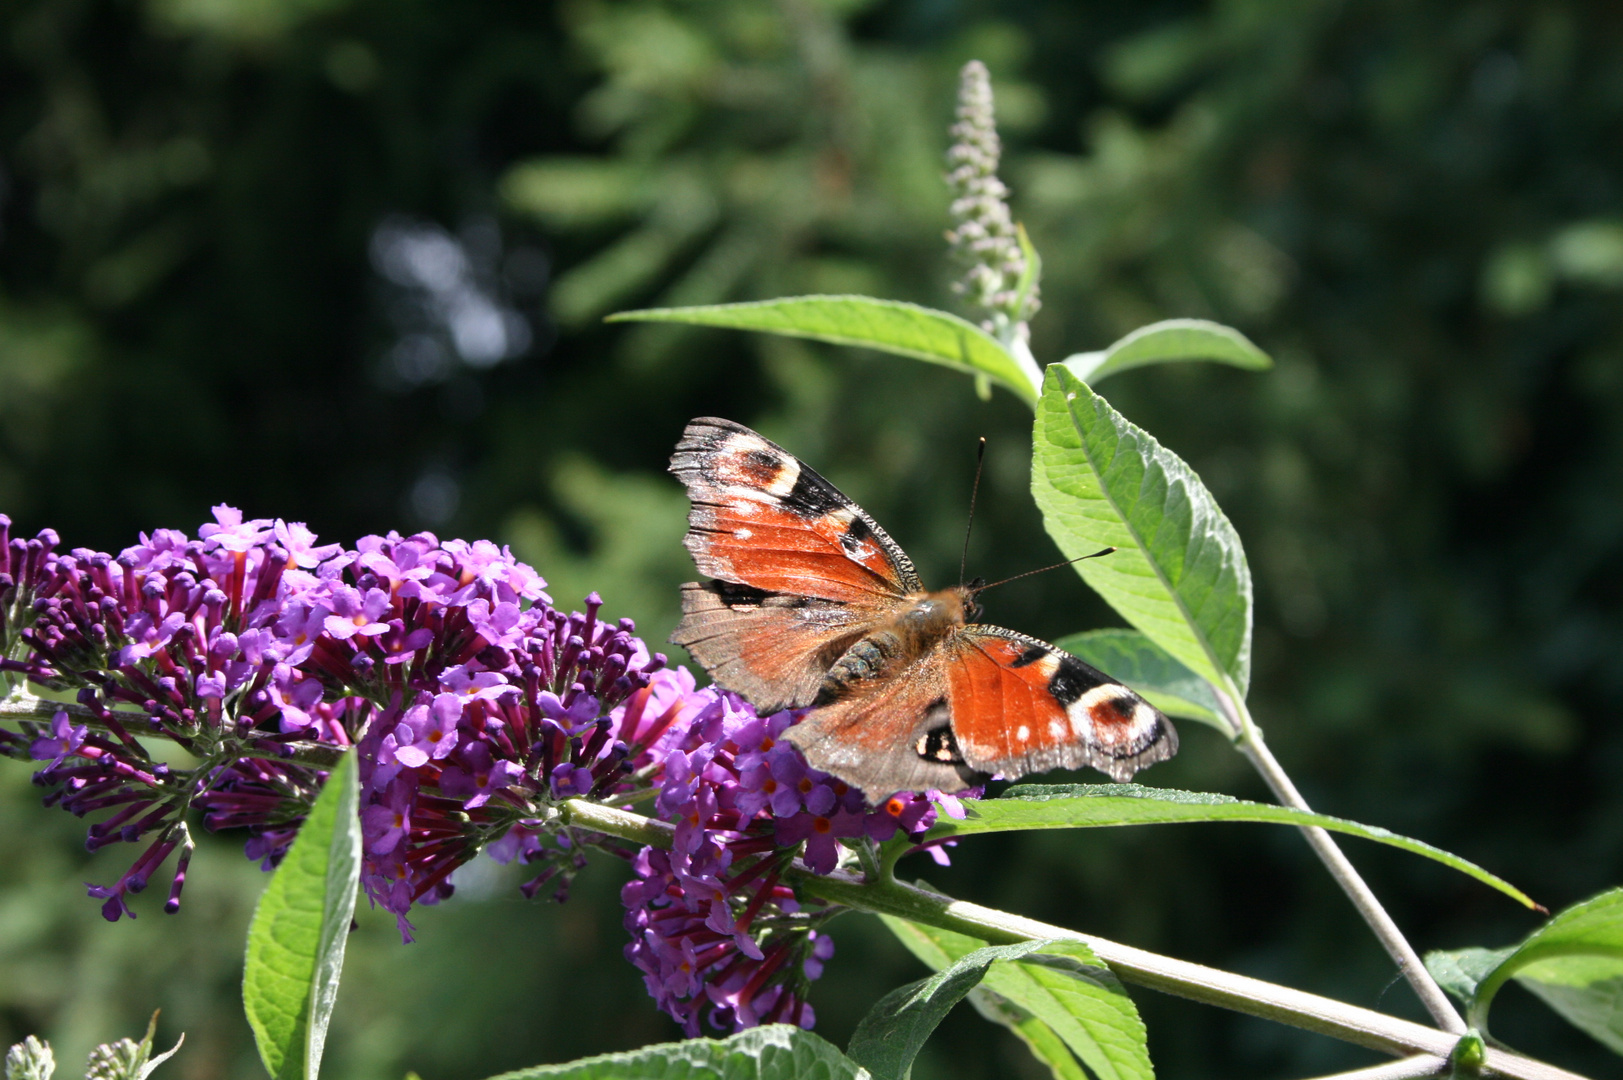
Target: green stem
1410,1068
1250,743
1254,997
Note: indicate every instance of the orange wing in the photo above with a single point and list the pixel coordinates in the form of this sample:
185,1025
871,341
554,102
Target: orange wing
770,648
890,734
802,572
1020,705
761,517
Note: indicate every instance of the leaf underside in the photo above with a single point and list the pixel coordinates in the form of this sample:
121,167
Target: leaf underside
297,936
771,1052
891,326
1058,999
1151,671
1170,341
1076,806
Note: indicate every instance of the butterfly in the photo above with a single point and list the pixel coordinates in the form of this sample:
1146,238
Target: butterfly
814,606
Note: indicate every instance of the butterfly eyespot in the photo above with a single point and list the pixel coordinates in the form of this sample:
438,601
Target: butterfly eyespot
813,606
938,744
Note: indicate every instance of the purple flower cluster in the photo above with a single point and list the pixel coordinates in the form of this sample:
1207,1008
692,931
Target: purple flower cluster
548,707
713,927
476,710
258,651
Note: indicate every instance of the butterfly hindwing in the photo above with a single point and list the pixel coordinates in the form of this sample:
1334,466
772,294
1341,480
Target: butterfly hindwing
772,648
761,517
888,735
1020,705
815,606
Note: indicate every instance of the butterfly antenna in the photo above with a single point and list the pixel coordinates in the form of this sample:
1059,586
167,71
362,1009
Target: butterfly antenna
1045,569
975,489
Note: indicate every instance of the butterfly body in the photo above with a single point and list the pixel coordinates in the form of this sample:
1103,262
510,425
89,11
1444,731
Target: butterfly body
814,606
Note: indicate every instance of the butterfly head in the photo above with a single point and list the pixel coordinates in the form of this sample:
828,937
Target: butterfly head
972,606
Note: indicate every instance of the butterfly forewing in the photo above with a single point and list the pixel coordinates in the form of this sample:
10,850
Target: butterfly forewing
814,605
761,517
772,648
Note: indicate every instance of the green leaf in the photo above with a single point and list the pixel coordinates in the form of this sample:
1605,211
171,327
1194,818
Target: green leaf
1043,1041
772,1052
895,1029
1057,1001
886,325
1134,659
1083,806
1068,988
1460,971
1574,963
1179,573
1030,278
296,939
1163,342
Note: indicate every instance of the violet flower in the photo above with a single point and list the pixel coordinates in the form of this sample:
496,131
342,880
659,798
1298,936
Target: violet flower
474,708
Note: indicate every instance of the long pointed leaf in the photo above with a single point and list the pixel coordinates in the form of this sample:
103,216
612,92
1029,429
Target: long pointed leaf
895,1029
1179,573
1172,340
1080,806
1069,996
938,948
1574,963
1068,988
296,939
886,325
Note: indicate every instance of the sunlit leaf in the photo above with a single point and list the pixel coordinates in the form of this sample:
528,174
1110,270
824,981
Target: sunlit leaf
1179,573
1134,659
1574,963
297,936
1060,1000
1031,276
772,1052
1460,971
1169,341
1084,806
886,325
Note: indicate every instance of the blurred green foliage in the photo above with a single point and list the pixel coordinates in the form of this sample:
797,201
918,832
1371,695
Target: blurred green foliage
1416,209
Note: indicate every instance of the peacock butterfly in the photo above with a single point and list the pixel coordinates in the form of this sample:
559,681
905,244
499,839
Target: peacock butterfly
813,605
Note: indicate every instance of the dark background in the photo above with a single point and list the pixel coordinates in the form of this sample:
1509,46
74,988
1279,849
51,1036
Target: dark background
344,261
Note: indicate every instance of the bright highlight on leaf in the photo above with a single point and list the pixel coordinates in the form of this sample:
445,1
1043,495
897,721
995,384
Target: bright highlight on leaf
296,940
772,1052
1082,806
938,948
886,325
1179,573
1574,963
1169,341
1060,983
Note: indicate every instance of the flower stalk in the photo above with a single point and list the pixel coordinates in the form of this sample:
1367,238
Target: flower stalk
1196,982
1248,740
998,282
